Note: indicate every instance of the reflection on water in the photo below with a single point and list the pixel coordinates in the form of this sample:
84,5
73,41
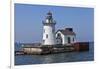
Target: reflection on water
56,58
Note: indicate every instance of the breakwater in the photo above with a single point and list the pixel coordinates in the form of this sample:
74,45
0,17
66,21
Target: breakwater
51,49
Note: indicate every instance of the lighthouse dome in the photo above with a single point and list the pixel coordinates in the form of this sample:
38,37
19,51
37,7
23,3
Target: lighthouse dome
49,13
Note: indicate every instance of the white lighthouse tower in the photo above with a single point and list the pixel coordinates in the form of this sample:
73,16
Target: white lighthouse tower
49,30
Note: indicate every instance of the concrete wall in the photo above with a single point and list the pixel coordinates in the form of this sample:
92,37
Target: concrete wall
32,50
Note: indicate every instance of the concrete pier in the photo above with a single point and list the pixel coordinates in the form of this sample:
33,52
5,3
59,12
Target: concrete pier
47,49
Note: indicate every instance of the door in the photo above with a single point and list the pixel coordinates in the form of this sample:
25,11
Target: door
59,38
69,40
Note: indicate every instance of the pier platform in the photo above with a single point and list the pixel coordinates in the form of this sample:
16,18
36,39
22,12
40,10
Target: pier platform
48,49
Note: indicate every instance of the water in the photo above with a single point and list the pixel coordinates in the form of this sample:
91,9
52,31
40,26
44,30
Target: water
56,58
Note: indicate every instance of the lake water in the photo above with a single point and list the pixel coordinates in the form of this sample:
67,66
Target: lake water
55,58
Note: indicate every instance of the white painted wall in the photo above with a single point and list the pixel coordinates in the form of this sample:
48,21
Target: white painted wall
65,38
61,36
51,35
71,39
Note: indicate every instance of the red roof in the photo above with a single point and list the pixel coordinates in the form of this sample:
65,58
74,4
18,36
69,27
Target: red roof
67,32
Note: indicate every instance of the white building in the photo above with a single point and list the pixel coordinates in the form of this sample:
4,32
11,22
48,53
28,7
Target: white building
65,36
50,37
49,30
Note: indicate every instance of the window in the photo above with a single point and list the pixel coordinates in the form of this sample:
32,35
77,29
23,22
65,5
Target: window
59,35
73,39
46,35
44,30
53,30
43,41
69,40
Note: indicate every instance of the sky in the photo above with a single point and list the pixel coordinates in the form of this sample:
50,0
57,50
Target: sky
28,21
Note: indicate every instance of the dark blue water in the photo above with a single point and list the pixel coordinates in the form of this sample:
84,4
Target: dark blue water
56,58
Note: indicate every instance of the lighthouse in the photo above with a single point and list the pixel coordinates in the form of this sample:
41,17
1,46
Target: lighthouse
49,30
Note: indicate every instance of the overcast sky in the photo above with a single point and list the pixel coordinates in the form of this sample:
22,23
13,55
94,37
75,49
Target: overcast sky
28,21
